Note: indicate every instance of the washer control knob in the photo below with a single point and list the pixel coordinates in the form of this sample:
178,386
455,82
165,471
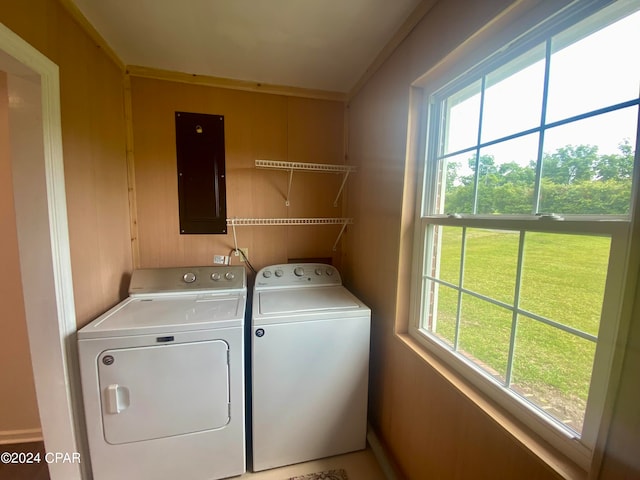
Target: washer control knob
279,273
266,274
189,277
318,271
229,276
298,271
215,276
329,271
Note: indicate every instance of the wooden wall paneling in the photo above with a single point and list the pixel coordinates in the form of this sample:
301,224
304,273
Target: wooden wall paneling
483,447
419,419
110,176
254,122
316,135
268,189
256,126
313,241
382,365
437,432
32,22
80,176
95,172
269,135
315,130
155,174
405,398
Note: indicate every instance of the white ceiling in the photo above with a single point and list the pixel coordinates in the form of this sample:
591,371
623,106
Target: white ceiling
315,44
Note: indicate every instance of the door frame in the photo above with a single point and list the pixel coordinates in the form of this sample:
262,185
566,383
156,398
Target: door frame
45,266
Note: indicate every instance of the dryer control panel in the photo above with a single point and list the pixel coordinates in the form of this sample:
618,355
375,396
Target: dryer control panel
177,280
296,275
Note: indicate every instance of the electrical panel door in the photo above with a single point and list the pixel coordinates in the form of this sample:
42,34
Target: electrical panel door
201,173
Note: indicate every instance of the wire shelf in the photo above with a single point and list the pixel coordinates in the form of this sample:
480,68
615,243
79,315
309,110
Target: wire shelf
240,222
289,221
309,167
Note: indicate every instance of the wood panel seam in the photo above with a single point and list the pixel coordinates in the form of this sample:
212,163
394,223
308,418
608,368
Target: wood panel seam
131,174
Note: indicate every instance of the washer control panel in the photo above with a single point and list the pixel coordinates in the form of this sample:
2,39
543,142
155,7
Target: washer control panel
187,279
297,274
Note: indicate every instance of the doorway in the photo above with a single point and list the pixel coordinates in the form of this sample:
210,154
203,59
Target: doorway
43,245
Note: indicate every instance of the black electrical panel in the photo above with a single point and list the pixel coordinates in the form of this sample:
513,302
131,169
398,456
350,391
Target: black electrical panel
201,173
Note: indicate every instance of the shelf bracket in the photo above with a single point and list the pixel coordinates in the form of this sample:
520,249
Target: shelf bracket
308,167
344,181
344,225
287,202
235,239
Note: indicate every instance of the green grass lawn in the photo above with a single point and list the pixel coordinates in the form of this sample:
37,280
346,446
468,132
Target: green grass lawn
563,279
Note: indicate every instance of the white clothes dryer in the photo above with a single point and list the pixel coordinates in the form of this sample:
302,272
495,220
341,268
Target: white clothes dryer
163,377
309,366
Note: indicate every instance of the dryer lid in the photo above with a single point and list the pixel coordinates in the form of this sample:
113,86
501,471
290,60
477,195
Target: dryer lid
301,300
150,315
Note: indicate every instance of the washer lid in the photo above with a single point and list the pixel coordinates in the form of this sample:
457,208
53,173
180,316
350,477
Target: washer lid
298,300
142,315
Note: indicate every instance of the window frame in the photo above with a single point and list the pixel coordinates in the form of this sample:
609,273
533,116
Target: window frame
618,228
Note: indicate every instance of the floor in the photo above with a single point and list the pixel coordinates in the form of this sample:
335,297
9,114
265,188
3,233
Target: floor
360,465
28,471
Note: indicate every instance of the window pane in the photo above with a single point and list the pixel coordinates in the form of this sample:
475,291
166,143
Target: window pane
458,183
563,278
484,335
462,119
507,176
587,166
490,262
513,96
441,314
449,259
552,369
595,72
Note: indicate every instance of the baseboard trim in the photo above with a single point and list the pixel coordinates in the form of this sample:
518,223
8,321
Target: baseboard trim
385,461
20,436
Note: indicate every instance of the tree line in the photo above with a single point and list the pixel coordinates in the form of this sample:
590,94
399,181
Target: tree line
575,180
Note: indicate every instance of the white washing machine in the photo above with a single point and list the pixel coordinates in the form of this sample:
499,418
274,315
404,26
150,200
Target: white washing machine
309,366
163,377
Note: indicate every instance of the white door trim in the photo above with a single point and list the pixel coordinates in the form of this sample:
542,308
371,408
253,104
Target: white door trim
45,265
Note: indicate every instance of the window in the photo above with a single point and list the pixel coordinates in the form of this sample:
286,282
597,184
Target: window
525,218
